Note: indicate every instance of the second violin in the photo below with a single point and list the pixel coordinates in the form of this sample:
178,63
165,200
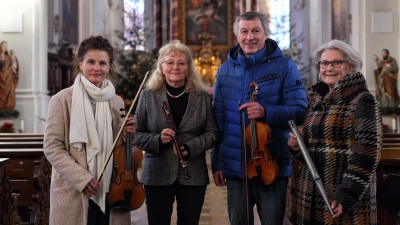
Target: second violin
258,136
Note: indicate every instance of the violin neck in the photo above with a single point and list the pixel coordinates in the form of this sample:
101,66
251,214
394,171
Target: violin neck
254,142
128,151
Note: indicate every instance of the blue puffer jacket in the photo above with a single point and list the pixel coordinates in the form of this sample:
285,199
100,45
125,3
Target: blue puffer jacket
281,92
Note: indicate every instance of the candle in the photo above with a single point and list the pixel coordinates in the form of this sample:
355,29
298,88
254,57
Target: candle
22,125
394,125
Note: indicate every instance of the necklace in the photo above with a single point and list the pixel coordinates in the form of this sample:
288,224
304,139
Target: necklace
175,96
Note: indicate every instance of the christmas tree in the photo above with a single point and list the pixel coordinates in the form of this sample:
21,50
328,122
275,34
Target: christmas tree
133,59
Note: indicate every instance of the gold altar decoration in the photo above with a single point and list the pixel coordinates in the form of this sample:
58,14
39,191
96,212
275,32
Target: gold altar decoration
206,60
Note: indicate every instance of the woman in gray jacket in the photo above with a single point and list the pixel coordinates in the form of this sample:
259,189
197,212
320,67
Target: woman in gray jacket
176,82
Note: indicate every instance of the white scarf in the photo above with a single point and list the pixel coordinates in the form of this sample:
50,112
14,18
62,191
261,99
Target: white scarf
94,130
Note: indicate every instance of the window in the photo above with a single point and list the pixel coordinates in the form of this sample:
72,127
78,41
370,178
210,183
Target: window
279,12
135,32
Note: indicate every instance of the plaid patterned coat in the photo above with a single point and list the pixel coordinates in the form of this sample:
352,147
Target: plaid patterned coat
343,132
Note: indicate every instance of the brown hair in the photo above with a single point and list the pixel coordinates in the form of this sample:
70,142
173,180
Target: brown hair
94,43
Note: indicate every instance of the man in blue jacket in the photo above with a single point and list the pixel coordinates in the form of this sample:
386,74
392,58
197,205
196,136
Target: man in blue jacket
280,97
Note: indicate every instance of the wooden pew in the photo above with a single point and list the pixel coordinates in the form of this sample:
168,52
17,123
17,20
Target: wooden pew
25,139
29,173
388,165
8,205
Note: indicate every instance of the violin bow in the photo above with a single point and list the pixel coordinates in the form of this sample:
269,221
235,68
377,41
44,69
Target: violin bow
122,127
310,164
244,163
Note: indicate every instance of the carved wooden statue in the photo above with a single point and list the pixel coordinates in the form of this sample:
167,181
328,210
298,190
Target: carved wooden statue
9,75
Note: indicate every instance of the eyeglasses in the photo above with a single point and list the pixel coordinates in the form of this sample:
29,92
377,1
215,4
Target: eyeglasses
336,64
171,64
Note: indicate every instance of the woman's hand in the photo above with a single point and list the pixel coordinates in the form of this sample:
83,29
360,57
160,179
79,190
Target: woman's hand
292,141
167,135
183,151
337,209
129,126
91,188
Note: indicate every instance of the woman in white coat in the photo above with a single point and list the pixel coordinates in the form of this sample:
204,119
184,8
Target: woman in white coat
82,124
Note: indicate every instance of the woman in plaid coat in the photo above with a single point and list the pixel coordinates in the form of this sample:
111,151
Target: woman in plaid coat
343,133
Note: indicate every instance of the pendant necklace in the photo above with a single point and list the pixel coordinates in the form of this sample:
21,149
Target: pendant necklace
175,96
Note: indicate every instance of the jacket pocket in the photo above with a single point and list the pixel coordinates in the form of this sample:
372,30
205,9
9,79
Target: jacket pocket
267,77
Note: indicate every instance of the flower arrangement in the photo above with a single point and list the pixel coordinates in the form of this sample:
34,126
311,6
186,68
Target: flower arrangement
385,128
7,115
7,128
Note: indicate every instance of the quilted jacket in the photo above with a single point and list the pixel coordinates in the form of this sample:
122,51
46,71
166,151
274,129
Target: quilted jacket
281,92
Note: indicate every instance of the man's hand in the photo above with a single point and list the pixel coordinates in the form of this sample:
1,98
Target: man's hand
219,179
254,110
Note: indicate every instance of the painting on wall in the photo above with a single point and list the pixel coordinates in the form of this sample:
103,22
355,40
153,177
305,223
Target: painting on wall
70,21
211,16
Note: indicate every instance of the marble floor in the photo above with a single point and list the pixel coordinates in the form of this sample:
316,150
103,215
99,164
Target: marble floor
214,209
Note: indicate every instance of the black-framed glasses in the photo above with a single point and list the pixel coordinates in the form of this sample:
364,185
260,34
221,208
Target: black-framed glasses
336,64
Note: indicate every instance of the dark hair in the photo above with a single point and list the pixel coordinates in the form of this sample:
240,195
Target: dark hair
94,43
252,15
387,51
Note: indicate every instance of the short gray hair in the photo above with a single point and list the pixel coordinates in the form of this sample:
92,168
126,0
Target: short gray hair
252,15
348,51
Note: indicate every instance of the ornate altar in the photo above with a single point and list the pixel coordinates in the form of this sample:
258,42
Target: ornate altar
206,60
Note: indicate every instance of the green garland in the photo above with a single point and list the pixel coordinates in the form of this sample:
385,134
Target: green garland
9,113
390,110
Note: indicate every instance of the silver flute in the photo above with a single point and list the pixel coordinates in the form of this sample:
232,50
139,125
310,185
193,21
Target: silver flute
310,164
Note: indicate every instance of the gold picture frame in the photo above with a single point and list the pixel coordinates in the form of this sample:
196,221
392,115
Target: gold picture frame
214,19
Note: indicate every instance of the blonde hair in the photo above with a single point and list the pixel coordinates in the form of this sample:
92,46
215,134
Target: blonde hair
157,78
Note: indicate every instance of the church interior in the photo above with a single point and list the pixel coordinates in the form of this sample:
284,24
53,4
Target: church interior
43,36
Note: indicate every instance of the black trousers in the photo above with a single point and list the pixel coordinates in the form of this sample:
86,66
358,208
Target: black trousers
96,216
160,200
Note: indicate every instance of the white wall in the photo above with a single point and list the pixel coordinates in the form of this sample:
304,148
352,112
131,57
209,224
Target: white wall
361,37
30,47
367,42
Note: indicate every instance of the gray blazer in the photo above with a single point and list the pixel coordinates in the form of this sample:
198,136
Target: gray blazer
198,130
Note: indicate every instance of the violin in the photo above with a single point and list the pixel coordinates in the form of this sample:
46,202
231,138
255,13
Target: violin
258,136
126,192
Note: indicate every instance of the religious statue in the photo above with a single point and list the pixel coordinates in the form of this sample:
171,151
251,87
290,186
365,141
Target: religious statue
386,75
9,74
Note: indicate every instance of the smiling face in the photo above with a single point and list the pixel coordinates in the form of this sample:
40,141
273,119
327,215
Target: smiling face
330,75
175,68
251,36
95,66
